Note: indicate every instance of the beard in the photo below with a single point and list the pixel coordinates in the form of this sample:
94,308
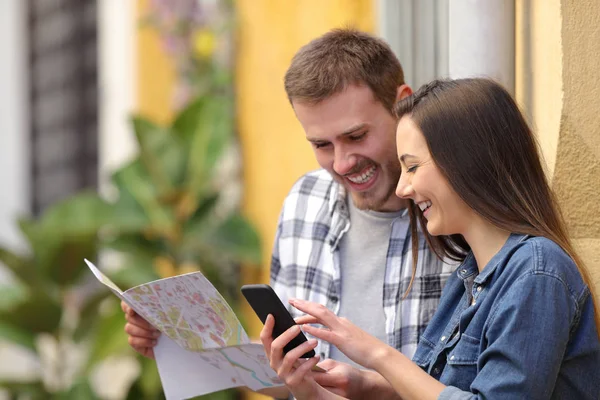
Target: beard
377,196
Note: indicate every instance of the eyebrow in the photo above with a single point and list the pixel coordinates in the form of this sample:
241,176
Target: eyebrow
347,132
405,156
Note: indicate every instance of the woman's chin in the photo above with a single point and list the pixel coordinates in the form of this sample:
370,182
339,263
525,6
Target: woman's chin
433,229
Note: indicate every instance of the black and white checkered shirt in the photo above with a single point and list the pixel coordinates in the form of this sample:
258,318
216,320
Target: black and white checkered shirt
305,261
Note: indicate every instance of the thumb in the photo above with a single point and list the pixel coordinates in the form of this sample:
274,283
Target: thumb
327,364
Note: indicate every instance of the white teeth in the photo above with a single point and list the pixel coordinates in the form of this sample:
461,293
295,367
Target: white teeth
424,204
363,177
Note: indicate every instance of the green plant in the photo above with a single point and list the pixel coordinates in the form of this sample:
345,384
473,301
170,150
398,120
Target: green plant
170,211
45,301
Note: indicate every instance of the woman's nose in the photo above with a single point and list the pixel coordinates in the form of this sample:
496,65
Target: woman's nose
404,189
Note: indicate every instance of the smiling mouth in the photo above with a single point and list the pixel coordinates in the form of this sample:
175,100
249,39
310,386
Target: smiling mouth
364,177
424,206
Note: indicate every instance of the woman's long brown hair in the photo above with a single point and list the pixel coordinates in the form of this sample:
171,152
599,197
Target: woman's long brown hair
482,144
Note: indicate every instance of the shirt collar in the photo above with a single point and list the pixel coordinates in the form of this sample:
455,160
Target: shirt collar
469,266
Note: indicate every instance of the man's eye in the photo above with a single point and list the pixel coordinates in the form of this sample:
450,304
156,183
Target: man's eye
320,145
358,137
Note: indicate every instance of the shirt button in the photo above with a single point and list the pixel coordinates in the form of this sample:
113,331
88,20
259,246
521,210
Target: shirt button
463,271
443,338
452,357
479,288
436,371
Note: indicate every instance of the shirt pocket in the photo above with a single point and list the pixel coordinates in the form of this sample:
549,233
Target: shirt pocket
423,354
461,363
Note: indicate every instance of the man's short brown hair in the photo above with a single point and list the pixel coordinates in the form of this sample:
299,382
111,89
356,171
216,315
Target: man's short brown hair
327,65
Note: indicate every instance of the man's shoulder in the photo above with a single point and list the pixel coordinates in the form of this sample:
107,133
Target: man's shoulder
316,184
317,181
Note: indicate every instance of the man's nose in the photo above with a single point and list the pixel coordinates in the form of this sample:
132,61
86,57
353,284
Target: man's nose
343,162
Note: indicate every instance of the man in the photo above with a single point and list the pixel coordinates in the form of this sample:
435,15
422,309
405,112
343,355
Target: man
343,237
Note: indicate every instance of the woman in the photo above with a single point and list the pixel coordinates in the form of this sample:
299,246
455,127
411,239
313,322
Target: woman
517,319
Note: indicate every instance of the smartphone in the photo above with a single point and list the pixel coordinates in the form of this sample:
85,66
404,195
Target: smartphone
264,301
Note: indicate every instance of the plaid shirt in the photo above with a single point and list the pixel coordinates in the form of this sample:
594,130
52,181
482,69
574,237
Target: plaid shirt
305,261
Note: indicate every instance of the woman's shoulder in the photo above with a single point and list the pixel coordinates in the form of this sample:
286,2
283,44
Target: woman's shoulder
542,256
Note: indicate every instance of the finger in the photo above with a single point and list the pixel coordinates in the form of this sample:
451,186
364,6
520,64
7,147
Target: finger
145,351
292,360
141,342
266,334
306,319
135,319
296,377
134,330
279,343
322,314
328,364
124,307
323,334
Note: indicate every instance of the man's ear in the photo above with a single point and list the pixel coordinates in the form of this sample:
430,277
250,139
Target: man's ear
403,91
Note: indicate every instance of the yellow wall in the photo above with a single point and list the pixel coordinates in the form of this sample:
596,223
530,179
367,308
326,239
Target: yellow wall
154,71
577,174
558,42
274,149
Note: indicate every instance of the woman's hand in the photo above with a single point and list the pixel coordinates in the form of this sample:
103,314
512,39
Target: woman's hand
355,343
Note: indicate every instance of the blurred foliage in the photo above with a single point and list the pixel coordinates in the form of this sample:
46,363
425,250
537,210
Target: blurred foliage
170,214
167,218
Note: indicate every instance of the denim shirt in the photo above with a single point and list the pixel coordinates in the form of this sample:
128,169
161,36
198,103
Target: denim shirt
522,328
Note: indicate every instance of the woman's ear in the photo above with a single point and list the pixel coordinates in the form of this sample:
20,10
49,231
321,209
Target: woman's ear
403,91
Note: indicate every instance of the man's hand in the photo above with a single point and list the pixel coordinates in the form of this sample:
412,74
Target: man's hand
340,378
294,371
142,335
353,383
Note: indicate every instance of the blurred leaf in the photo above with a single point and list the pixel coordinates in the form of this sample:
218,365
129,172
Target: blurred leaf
80,390
136,272
186,122
132,179
109,338
163,156
12,295
135,244
213,129
29,229
65,267
89,315
20,266
128,214
82,214
236,239
31,390
65,234
17,335
149,379
38,313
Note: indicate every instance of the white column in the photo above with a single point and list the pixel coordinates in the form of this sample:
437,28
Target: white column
14,129
117,83
117,27
482,40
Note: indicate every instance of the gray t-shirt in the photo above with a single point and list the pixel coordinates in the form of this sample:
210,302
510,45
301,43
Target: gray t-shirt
363,251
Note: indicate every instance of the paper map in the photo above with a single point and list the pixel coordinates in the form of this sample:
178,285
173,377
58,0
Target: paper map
204,347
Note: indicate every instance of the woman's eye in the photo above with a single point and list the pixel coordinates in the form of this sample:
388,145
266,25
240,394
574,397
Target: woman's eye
412,169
